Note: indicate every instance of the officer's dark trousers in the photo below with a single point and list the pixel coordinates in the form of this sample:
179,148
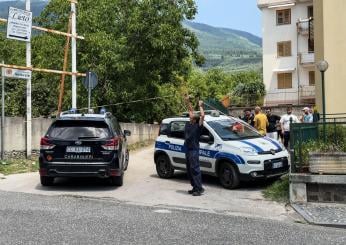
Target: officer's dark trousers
193,168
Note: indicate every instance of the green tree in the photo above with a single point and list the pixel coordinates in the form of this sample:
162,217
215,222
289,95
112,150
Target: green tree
135,47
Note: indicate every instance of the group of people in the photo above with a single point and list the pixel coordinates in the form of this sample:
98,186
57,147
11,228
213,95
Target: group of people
277,127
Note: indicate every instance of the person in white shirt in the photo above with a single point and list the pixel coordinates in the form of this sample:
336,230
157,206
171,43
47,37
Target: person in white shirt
285,122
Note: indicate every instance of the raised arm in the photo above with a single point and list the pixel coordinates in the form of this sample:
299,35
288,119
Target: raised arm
189,106
201,109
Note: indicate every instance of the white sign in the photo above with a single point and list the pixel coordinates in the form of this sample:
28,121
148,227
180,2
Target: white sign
19,24
19,74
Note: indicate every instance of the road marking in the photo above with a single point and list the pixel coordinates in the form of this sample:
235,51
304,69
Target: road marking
162,211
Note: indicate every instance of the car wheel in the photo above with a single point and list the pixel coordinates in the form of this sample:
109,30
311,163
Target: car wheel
228,176
163,167
127,159
46,181
116,180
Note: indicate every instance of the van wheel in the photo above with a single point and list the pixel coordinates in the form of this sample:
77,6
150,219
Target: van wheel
228,176
116,180
46,181
163,167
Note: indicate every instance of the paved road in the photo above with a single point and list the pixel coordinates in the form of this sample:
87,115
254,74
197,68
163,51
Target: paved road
37,219
142,186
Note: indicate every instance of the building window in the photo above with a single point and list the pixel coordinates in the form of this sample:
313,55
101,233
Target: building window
283,17
284,80
310,11
284,49
312,78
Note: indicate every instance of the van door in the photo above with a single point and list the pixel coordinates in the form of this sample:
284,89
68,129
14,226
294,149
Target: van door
175,143
207,151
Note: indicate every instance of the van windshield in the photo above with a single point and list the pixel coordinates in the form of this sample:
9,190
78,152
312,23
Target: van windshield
230,129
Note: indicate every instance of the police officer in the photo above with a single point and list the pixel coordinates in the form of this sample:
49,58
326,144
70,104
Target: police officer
193,130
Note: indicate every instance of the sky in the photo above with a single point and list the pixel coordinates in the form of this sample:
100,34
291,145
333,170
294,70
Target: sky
235,14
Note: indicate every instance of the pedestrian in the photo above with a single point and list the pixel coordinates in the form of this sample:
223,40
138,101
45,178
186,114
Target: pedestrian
193,130
273,121
315,115
261,121
307,116
248,117
285,122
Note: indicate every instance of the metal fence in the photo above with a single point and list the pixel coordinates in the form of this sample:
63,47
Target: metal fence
328,136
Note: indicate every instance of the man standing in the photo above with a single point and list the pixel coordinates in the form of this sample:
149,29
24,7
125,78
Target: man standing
285,125
248,117
261,121
307,116
273,121
191,144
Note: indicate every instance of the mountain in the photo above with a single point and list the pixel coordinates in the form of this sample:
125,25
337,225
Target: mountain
227,49
36,6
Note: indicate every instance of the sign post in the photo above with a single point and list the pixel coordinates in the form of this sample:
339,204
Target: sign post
90,83
2,111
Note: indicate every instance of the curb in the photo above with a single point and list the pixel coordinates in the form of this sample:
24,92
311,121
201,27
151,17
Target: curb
311,221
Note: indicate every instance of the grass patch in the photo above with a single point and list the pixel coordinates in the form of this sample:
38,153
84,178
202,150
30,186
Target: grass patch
278,191
16,166
141,144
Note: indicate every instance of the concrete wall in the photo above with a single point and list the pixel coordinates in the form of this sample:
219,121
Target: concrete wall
15,132
272,34
330,45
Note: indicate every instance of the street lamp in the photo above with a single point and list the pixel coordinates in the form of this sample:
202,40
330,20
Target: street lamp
322,66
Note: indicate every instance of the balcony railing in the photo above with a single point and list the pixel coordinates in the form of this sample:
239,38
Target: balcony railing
306,27
307,59
307,92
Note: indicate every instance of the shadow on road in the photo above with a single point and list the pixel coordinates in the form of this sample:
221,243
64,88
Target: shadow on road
78,184
180,176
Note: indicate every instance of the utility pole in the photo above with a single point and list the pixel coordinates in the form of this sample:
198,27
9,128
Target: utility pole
74,53
28,93
2,111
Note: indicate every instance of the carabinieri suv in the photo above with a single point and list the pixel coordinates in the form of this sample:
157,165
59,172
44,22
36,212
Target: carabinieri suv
84,145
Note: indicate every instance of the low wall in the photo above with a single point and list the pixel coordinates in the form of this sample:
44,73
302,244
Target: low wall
15,132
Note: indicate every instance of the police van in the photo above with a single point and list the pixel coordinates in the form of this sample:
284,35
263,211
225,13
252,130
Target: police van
230,149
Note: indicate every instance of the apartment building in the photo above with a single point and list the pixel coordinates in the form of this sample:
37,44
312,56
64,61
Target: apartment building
288,51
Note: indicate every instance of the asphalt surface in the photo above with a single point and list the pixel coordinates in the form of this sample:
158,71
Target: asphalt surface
142,186
38,219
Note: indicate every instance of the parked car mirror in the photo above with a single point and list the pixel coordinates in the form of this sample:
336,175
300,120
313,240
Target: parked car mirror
127,132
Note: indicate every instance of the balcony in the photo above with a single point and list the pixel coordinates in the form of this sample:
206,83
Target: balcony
307,59
273,3
307,94
306,28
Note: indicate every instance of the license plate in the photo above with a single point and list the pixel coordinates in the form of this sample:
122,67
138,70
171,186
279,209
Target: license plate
278,164
78,149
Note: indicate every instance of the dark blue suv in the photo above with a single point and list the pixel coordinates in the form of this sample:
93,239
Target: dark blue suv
84,145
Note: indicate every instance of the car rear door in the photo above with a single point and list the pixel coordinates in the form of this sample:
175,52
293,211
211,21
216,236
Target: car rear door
76,141
175,143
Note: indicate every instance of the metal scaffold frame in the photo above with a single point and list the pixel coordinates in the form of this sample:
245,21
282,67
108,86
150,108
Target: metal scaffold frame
70,34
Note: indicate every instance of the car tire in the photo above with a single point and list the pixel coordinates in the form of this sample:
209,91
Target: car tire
116,180
127,159
228,176
164,167
46,181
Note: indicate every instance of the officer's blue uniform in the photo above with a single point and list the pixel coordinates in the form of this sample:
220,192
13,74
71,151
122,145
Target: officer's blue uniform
191,145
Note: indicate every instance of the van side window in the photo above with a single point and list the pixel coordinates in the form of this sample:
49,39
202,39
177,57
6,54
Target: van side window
164,129
177,130
206,133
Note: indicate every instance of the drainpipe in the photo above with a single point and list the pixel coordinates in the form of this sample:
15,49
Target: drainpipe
298,75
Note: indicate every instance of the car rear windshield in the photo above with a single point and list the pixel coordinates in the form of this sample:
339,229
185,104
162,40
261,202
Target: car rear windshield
230,129
74,130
